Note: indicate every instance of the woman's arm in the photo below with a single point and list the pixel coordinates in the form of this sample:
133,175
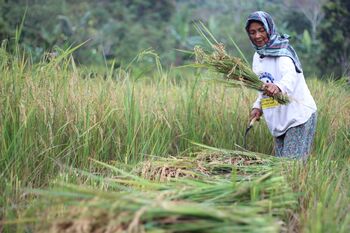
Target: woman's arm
289,75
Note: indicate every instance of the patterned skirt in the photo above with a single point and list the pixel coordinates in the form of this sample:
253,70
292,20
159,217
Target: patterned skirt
297,141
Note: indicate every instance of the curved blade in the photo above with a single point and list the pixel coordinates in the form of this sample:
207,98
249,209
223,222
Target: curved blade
246,132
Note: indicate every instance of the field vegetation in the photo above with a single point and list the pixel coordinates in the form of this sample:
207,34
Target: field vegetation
155,149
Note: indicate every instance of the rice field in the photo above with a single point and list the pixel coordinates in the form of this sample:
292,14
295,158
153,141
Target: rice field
127,150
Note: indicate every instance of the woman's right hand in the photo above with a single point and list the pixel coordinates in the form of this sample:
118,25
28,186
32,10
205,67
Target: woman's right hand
255,113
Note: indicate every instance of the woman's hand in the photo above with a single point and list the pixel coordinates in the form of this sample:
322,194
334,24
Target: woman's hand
255,113
271,89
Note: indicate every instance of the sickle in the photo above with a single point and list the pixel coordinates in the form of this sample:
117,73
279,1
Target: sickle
251,123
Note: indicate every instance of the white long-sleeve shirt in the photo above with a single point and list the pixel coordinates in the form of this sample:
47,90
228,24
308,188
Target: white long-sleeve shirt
281,71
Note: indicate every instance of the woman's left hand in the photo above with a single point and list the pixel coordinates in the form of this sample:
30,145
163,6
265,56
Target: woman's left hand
271,89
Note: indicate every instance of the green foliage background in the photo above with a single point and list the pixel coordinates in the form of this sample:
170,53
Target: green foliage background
119,30
335,38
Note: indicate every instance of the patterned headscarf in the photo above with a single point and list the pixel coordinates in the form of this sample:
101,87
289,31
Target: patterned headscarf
278,44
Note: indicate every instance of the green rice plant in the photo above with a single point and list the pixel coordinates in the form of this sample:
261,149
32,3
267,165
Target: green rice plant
322,194
332,97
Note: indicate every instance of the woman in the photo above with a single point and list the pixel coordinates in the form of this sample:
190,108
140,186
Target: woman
276,63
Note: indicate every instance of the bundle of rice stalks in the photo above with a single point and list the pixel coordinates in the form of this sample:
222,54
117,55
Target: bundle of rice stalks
236,71
208,162
203,164
128,202
187,205
220,161
140,213
165,169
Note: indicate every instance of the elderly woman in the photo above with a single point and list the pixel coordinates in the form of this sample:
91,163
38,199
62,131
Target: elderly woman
277,64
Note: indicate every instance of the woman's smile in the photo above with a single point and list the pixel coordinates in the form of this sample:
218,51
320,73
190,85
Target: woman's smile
258,34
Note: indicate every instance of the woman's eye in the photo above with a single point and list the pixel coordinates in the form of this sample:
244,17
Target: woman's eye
260,30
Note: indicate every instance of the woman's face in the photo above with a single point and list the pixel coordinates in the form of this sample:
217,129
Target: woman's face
258,34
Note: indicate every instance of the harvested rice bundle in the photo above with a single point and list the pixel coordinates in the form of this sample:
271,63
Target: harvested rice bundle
132,203
212,161
208,205
165,169
236,71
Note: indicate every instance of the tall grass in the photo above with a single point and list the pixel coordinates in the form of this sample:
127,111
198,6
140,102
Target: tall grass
323,186
51,118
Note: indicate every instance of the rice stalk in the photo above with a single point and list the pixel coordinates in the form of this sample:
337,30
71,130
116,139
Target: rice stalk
134,201
176,207
236,72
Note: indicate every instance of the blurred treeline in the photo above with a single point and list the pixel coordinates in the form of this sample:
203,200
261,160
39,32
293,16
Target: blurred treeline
118,30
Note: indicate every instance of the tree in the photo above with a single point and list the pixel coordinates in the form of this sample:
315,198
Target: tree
311,9
114,29
335,37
